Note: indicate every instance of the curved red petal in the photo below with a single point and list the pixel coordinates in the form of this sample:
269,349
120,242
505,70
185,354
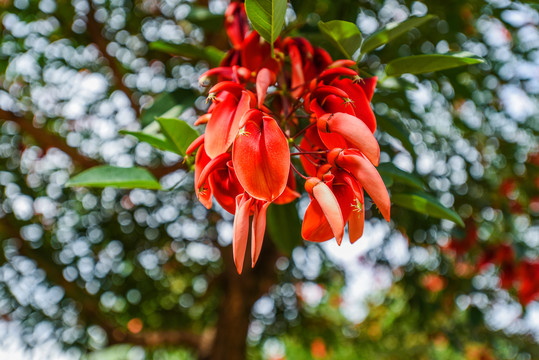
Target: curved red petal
356,223
361,104
315,226
368,85
223,126
369,178
261,158
258,230
203,192
225,187
287,196
217,162
331,209
354,131
264,79
334,72
195,145
236,23
241,229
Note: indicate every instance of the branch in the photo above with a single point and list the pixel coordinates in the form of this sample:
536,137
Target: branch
45,139
95,30
89,309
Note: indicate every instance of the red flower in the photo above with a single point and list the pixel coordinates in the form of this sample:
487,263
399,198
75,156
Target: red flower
243,159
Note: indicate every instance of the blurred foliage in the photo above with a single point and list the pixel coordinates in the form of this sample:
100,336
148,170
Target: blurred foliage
92,269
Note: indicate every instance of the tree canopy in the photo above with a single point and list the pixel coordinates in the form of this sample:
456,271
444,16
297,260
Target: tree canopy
106,251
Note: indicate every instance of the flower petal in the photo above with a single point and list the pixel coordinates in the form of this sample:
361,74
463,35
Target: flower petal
315,225
354,131
258,230
263,80
329,205
203,192
223,126
356,223
367,175
241,229
261,157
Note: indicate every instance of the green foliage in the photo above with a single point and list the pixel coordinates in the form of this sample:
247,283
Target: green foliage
117,177
426,204
343,34
392,31
394,174
193,52
267,17
420,64
283,226
159,141
178,132
173,104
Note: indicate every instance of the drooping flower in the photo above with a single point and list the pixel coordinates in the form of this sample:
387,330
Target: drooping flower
261,106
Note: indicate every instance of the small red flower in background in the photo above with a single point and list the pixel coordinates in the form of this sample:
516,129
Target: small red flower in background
261,106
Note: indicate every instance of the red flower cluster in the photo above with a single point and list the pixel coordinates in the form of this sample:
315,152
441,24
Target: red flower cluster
263,105
521,275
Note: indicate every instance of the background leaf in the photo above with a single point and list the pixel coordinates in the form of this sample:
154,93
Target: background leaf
173,104
425,204
399,176
391,31
113,176
158,141
284,226
180,133
420,64
208,53
397,130
344,35
267,17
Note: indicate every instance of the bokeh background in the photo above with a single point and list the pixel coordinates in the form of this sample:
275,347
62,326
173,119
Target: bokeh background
142,274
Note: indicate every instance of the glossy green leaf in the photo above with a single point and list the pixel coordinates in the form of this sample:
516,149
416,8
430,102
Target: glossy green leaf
113,176
168,104
203,17
397,130
343,34
208,53
180,133
420,64
267,17
284,226
158,141
426,204
399,176
391,31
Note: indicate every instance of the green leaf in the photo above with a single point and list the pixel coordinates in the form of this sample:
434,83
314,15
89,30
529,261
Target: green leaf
400,176
158,141
420,64
426,204
391,31
203,17
267,17
284,226
180,133
113,176
397,130
343,34
172,104
208,53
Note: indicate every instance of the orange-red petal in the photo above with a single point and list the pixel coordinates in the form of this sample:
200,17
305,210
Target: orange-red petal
353,130
261,157
241,229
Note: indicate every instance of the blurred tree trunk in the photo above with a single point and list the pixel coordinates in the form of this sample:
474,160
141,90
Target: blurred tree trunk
240,292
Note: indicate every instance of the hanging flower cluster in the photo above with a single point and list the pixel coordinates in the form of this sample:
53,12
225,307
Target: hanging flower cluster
262,106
